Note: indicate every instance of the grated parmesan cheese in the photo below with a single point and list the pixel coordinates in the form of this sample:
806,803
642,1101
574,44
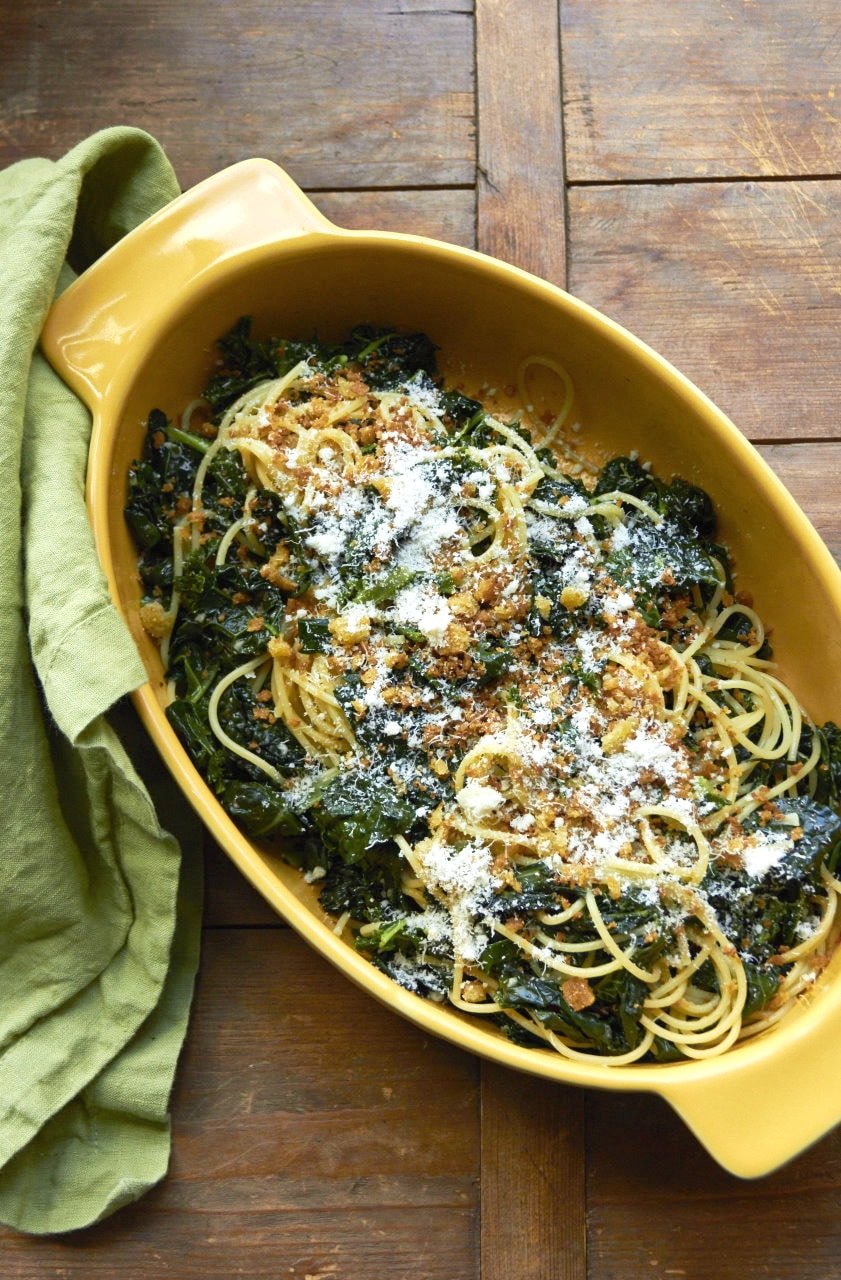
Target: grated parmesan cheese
479,801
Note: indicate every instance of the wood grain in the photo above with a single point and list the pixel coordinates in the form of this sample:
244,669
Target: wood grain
229,899
811,473
343,93
737,284
520,183
660,1207
315,1134
533,1213
733,88
441,214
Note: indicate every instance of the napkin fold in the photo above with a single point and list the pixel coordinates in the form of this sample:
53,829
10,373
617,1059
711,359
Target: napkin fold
99,911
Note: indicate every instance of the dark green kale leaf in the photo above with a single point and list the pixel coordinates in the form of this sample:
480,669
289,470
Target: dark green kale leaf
460,413
820,841
246,361
430,980
762,987
226,478
625,475
686,504
494,659
388,359
519,988
269,739
359,810
663,1050
739,627
679,547
359,544
424,789
370,888
760,920
145,512
516,1033
164,474
828,773
499,955
260,809
610,1025
196,673
690,506
657,550
257,804
558,492
194,579
281,523
762,983
313,635
389,935
195,681
625,995
545,1001
628,918
219,631
539,891
548,581
223,607
763,914
190,723
779,922
156,574
550,544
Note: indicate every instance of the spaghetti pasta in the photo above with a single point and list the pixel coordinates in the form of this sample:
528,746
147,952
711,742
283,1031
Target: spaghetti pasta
529,739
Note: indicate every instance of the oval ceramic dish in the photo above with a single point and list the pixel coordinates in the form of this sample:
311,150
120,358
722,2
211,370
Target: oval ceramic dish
138,330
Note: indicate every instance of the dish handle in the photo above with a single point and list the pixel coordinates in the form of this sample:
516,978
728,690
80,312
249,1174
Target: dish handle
100,316
755,1118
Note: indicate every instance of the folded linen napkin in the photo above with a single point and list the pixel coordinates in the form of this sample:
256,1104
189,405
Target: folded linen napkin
99,914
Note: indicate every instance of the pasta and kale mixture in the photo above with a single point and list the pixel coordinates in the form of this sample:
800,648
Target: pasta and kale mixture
507,713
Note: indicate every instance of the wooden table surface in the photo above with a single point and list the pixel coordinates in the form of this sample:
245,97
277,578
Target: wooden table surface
677,163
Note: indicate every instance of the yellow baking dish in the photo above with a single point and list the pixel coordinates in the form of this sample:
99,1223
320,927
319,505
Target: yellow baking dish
137,331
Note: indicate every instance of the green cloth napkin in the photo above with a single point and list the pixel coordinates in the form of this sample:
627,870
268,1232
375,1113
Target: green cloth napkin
99,914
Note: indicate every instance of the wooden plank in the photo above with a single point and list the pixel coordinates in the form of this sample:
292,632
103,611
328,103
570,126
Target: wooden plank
533,1211
811,473
533,1207
229,899
737,284
315,1134
733,88
343,93
520,184
441,214
660,1207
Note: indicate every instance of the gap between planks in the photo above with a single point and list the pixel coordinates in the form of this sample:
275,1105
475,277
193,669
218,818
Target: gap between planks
693,180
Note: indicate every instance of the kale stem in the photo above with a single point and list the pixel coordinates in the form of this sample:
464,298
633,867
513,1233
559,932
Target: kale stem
177,436
373,346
